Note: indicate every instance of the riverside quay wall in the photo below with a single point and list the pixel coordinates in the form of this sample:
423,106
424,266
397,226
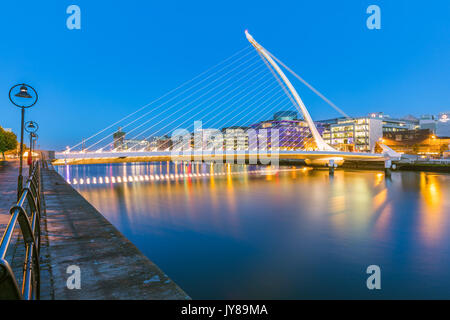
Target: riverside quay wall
75,236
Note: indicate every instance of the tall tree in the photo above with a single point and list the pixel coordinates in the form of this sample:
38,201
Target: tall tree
8,141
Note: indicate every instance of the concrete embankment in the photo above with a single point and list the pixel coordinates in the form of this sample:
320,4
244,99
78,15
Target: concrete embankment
74,233
418,166
399,165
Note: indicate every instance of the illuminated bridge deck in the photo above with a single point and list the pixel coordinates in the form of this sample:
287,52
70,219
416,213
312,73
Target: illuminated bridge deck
262,157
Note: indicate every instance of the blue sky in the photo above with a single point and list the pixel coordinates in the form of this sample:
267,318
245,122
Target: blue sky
128,53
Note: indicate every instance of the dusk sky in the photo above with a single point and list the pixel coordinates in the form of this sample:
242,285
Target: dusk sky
128,53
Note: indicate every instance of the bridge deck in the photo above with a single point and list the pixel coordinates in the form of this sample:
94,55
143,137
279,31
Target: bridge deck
146,156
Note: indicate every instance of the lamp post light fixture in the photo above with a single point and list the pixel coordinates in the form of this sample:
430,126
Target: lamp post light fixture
31,127
23,100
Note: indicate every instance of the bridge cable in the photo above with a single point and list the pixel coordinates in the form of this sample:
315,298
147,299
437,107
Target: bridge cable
190,95
222,110
210,90
190,118
194,101
197,90
279,81
165,95
223,103
252,104
308,85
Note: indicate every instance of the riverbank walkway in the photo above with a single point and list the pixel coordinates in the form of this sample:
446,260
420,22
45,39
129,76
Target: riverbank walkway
74,233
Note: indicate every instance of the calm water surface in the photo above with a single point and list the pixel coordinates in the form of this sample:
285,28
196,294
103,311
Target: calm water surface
250,232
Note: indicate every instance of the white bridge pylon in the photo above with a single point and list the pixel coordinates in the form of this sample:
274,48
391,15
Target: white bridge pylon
321,144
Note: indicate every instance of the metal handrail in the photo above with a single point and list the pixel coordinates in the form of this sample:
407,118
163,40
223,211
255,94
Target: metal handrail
29,222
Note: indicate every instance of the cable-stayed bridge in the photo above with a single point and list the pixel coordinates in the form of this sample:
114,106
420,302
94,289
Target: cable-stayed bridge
237,94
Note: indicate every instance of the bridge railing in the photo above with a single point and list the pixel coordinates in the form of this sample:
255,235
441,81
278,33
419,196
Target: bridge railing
27,211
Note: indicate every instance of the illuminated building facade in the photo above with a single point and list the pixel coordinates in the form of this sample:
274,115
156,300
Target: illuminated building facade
235,138
361,134
417,142
291,134
357,134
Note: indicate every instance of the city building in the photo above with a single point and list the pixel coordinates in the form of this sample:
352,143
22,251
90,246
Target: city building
354,134
153,143
412,119
163,143
235,138
326,125
362,133
292,134
428,121
135,145
122,144
393,125
417,142
118,138
159,143
328,122
207,139
443,125
285,115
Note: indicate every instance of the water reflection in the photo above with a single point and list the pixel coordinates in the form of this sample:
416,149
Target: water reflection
432,208
237,231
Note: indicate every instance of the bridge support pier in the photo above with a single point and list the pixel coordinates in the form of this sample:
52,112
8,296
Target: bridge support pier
387,168
331,166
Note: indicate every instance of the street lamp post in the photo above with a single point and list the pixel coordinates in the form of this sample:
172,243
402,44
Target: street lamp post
34,139
23,95
31,127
